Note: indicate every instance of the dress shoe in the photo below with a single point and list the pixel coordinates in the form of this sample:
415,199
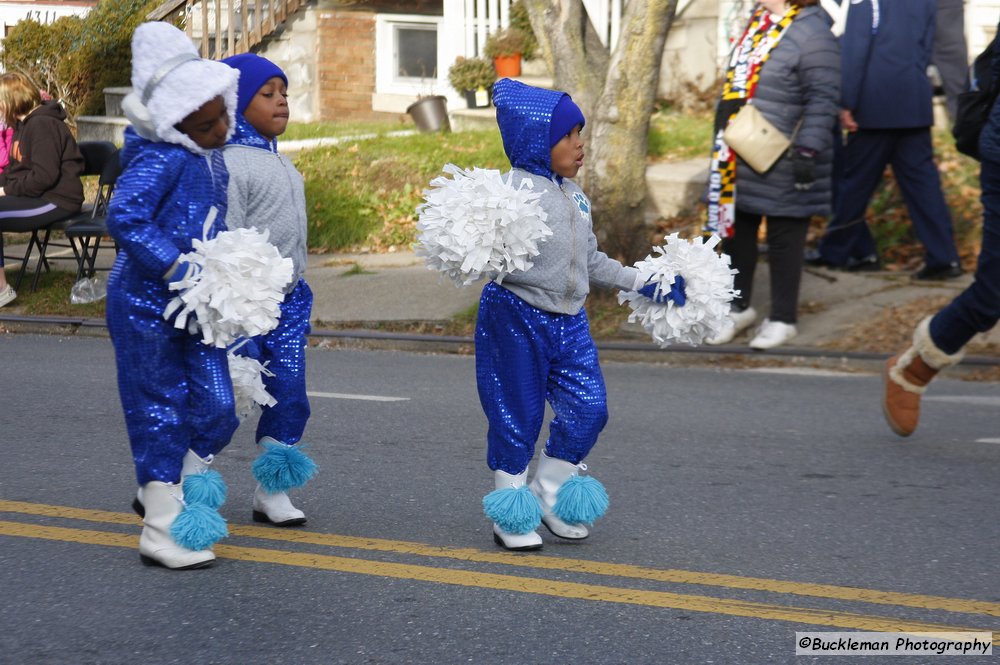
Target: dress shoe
867,264
950,271
815,259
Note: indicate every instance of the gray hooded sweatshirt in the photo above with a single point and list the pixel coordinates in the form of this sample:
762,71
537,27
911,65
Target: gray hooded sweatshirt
569,261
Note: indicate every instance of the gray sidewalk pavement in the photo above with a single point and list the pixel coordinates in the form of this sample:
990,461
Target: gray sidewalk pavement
366,290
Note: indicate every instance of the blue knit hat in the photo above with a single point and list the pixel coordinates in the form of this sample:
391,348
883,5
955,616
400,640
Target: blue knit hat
565,116
254,71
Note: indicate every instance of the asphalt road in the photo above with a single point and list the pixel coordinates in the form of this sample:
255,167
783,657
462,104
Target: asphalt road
746,506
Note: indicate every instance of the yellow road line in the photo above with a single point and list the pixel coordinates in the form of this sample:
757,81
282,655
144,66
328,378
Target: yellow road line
549,563
659,599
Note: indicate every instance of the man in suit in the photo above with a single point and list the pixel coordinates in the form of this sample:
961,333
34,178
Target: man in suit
886,111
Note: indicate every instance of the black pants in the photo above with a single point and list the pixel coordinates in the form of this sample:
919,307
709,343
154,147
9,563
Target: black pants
23,214
786,242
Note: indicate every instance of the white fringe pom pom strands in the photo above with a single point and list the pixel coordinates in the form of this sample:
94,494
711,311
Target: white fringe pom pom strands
477,223
708,285
248,375
234,289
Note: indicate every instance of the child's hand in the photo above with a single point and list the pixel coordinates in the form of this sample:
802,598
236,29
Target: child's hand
182,270
677,293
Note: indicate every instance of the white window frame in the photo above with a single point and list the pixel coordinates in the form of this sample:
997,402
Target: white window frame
386,82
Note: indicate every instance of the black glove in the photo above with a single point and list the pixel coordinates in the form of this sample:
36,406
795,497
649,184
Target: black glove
804,168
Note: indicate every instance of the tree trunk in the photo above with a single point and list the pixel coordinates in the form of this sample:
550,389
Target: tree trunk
616,92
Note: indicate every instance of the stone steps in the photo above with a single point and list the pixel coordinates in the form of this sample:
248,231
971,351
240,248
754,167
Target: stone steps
110,127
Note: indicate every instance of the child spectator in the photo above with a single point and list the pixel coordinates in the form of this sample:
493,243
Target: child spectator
267,192
533,339
175,391
6,139
40,184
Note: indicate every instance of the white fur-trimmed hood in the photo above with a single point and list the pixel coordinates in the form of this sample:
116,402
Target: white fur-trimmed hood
177,90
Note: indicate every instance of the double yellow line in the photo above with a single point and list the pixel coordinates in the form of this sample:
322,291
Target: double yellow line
535,585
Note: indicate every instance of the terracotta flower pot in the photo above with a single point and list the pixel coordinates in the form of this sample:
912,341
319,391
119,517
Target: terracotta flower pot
508,66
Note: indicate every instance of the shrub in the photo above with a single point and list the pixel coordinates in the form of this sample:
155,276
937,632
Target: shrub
75,58
471,74
519,21
40,52
102,56
503,43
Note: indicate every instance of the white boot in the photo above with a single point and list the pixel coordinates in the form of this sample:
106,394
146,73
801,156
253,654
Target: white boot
194,464
279,468
191,464
276,509
528,540
163,502
551,475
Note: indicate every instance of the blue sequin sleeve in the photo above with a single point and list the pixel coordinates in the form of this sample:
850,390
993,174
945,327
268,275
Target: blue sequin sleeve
146,185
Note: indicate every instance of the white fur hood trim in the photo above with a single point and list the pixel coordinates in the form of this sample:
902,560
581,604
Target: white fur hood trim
181,91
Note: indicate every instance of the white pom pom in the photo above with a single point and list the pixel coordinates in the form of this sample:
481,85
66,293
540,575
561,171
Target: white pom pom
478,223
236,289
708,285
248,384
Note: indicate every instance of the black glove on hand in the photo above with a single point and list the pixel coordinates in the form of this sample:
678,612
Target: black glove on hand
804,168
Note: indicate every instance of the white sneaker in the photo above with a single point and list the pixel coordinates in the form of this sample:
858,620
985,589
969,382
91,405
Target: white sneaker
741,321
7,294
772,334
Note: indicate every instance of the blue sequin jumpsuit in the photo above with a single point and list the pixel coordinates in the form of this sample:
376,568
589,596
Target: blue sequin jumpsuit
175,391
533,341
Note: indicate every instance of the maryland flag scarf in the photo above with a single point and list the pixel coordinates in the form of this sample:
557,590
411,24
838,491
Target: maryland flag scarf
750,53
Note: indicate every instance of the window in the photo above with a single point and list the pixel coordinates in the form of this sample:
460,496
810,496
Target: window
407,57
415,52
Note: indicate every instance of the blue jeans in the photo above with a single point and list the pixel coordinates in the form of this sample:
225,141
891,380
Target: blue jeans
976,309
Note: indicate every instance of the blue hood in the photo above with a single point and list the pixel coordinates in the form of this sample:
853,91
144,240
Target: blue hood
245,134
523,115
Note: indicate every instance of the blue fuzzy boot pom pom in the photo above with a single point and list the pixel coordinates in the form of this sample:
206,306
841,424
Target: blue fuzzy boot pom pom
581,500
514,510
208,489
198,527
281,468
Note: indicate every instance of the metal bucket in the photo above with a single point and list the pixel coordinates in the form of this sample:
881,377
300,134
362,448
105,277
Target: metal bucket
430,114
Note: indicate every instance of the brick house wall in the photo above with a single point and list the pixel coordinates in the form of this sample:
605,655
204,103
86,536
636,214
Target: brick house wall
346,54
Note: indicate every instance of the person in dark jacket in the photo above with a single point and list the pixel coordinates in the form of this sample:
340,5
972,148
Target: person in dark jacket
939,340
887,112
789,50
951,55
41,184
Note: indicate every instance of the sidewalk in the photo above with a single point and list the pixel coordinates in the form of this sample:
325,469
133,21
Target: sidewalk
366,291
398,287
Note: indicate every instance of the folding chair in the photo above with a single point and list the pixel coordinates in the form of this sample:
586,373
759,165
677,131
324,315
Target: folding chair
86,230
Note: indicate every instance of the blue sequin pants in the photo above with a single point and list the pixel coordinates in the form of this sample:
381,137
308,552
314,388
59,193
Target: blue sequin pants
284,351
524,357
175,391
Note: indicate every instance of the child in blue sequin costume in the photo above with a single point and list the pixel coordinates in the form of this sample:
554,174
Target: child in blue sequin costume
175,391
533,341
267,192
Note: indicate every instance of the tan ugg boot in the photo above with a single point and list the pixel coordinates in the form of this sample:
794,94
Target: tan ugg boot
906,375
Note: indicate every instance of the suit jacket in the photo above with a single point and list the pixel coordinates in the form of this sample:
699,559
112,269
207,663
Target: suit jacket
885,50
